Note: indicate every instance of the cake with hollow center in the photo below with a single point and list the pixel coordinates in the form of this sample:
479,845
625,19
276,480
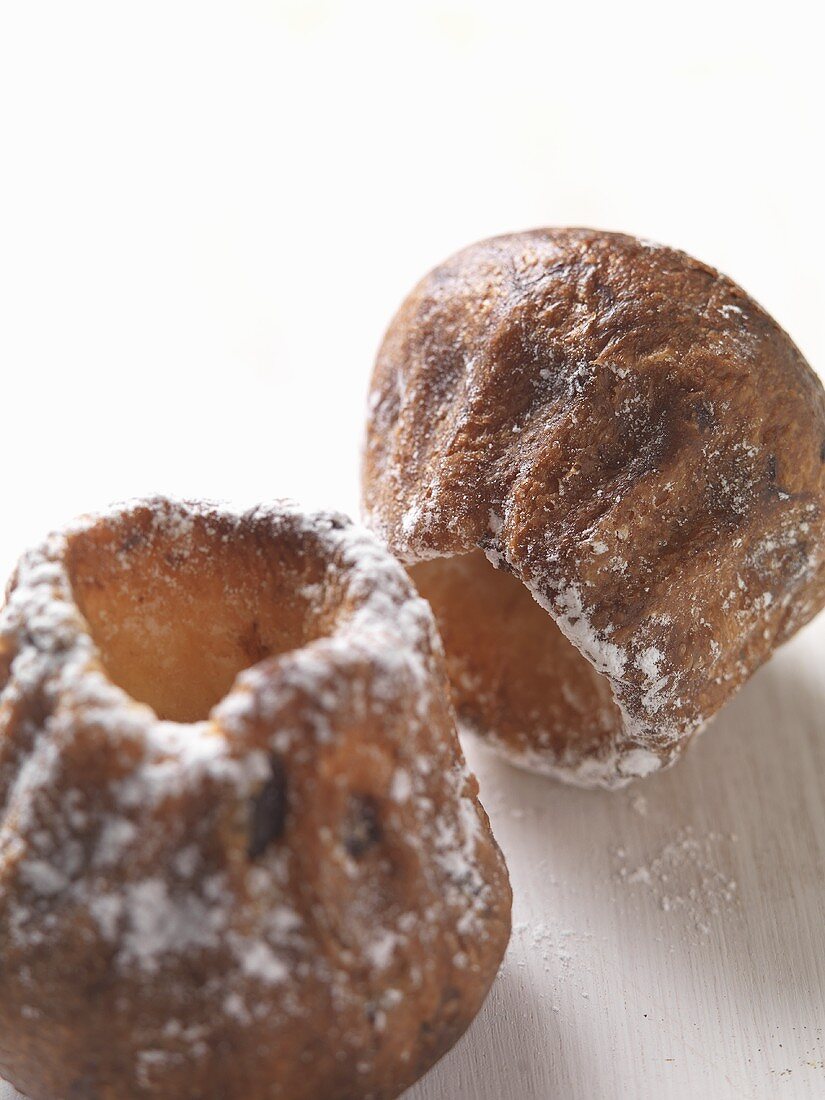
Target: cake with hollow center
639,451
240,852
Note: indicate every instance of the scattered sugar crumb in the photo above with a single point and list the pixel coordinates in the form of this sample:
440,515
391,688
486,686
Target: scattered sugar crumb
687,874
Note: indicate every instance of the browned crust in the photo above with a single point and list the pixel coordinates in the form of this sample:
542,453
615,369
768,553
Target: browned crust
255,905
630,434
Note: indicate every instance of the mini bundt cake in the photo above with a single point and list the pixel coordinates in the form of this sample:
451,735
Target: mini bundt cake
632,442
218,883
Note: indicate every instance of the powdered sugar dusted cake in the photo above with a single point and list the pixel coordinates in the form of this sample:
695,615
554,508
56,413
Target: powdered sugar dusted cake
605,464
240,852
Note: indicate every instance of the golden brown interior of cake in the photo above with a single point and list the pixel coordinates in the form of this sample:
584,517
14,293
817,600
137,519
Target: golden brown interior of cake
178,613
514,675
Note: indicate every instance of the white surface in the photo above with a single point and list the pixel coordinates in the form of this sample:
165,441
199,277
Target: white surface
670,940
208,213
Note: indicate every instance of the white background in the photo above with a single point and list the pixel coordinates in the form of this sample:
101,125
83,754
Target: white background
208,213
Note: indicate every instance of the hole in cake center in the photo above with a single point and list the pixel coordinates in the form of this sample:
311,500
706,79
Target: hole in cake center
515,677
177,618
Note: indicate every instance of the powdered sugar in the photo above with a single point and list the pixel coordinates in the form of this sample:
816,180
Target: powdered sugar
613,768
657,482
158,924
569,613
687,875
259,961
147,854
